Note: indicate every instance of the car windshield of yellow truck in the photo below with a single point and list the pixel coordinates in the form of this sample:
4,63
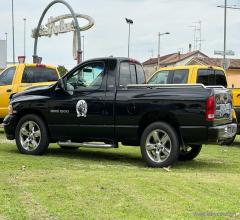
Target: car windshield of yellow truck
6,76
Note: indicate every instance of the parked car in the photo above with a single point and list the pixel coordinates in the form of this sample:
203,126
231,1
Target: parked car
192,74
20,77
106,100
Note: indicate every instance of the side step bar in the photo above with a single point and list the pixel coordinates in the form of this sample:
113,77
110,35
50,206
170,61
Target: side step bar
87,144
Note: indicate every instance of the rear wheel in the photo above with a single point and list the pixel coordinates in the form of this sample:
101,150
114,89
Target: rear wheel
159,145
190,152
31,135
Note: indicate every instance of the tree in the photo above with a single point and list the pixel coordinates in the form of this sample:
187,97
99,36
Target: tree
62,70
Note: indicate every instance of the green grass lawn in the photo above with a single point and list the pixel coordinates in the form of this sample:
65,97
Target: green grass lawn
116,184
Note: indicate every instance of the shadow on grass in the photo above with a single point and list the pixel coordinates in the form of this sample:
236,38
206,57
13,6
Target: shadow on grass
126,159
88,155
97,155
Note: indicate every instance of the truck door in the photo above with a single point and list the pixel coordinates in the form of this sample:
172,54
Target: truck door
126,101
6,86
80,112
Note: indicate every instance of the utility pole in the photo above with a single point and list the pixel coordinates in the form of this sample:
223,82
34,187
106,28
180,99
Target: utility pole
159,36
200,35
13,34
24,37
197,41
225,34
129,22
225,52
6,37
194,35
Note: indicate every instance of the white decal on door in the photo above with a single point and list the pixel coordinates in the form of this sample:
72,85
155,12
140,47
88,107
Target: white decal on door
81,108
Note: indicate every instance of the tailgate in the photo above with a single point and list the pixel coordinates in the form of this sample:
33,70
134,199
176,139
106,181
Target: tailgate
223,105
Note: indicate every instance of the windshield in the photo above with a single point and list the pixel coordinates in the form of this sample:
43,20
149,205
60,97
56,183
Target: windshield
160,77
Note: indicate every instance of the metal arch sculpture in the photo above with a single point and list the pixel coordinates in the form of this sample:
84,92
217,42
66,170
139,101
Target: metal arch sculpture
36,35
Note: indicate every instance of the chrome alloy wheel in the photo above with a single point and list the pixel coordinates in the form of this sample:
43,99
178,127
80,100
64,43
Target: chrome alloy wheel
30,135
158,145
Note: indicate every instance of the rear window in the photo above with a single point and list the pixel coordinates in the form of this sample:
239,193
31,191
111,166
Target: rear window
210,77
39,74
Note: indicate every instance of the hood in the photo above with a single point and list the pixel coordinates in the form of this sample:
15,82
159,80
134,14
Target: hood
37,90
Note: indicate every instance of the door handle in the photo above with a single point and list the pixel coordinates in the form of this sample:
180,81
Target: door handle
9,90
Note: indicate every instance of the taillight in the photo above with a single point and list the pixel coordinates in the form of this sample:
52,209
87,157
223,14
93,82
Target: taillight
210,108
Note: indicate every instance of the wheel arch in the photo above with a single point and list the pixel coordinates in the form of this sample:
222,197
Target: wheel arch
156,116
36,112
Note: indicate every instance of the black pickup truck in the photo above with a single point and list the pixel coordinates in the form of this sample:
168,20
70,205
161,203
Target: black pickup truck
105,101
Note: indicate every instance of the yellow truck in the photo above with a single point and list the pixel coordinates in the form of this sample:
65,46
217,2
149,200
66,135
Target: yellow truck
20,77
192,74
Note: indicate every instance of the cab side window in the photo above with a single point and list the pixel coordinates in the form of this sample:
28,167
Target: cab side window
125,74
6,77
210,77
180,76
131,73
206,77
140,74
89,76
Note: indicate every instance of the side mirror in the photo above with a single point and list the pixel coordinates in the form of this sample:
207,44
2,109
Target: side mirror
61,84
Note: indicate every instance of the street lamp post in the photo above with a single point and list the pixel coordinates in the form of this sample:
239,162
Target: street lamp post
6,37
129,22
83,50
24,37
13,34
159,35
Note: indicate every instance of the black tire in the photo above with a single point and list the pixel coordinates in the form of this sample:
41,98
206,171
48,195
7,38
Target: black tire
229,141
43,140
68,148
191,153
172,145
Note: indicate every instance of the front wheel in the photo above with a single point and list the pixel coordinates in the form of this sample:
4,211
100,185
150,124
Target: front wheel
159,145
190,152
31,135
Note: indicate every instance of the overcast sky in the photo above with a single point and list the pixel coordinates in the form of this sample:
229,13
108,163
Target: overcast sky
109,35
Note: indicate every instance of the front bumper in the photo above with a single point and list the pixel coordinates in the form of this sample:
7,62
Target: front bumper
9,124
207,135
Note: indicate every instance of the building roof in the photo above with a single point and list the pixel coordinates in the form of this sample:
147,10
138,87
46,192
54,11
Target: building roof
173,58
234,63
155,60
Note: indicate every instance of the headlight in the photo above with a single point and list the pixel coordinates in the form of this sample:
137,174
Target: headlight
10,109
